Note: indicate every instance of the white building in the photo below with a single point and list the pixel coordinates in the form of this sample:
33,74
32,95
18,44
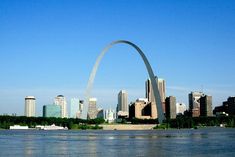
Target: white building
30,103
109,116
180,108
61,101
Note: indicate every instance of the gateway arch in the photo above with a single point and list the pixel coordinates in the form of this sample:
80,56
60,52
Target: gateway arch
149,69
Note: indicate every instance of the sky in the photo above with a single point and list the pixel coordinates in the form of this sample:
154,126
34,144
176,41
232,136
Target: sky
48,48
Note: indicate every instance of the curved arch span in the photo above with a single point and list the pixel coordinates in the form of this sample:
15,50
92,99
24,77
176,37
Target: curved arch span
149,69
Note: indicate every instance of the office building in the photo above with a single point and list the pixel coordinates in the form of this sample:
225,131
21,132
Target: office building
228,108
74,108
100,113
110,116
92,109
61,101
231,106
30,103
52,111
81,107
180,108
206,106
150,95
141,109
194,103
171,107
122,107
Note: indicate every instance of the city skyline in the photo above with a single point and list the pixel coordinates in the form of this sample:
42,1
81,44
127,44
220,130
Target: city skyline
53,52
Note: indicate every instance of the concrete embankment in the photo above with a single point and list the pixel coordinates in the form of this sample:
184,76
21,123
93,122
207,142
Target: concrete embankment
128,127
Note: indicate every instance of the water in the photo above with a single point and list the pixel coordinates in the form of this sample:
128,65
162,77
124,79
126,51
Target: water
201,142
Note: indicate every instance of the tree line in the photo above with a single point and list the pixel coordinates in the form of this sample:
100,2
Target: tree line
194,122
31,122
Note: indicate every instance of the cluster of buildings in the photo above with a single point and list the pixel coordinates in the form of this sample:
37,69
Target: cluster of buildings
143,108
56,109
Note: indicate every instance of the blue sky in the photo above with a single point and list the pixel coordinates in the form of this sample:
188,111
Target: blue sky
48,48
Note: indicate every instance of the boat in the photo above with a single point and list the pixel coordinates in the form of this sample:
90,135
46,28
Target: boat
18,127
51,127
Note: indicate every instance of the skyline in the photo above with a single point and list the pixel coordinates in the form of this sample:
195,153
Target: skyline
49,48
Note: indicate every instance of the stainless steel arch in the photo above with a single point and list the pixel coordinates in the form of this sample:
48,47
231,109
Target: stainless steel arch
150,72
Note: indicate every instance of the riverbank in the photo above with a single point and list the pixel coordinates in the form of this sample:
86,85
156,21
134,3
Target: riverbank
128,126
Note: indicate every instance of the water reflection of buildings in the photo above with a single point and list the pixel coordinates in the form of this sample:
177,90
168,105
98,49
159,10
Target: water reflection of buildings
29,146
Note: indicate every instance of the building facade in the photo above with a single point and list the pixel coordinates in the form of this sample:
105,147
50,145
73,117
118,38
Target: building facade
52,111
61,101
92,109
30,105
122,107
206,106
180,108
228,107
74,108
231,106
109,116
141,109
194,103
171,107
150,95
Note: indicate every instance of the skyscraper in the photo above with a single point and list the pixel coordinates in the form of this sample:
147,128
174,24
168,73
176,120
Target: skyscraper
74,108
194,103
206,106
61,101
122,107
92,109
171,107
30,102
150,95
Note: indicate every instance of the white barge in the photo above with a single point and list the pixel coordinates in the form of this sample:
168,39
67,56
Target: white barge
18,127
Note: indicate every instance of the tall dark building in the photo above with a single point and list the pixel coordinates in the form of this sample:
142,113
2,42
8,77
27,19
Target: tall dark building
194,103
171,107
220,110
206,106
228,107
231,105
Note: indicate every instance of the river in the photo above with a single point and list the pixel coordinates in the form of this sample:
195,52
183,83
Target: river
186,142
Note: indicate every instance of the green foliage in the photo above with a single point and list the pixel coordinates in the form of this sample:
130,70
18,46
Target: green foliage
161,126
189,122
71,123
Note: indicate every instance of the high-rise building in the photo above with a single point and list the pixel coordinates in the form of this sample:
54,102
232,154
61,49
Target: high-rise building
92,109
180,108
61,101
81,106
30,103
122,107
150,95
206,106
194,103
171,107
74,108
52,111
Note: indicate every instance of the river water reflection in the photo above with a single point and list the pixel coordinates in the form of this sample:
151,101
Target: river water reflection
201,142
